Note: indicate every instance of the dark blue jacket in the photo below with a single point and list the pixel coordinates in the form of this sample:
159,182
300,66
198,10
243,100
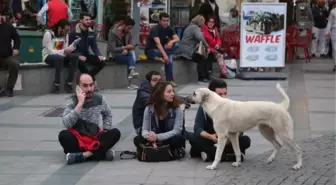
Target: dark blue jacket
140,104
82,48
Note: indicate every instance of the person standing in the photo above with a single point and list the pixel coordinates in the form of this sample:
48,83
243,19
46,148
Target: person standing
331,32
7,56
320,14
210,9
57,10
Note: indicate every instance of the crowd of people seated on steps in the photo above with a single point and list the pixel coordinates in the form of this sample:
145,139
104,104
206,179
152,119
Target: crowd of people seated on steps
62,46
158,119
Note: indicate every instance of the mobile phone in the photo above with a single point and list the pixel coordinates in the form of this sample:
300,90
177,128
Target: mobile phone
78,89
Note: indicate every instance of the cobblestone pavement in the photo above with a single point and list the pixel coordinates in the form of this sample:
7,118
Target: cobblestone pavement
318,167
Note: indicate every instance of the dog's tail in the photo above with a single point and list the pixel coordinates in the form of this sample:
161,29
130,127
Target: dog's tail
285,99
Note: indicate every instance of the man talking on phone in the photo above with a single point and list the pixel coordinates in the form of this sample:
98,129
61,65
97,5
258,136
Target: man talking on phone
85,138
56,53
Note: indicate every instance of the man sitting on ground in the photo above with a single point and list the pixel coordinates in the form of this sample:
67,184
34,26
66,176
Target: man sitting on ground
142,97
56,53
84,139
204,138
122,49
161,44
88,40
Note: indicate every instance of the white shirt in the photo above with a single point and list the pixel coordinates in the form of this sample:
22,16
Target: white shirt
331,26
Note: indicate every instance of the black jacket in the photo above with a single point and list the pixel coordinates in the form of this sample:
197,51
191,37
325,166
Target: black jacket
207,11
140,103
320,16
8,33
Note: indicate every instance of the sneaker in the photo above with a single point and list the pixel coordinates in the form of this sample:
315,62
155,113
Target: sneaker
68,88
334,69
204,156
202,81
110,155
72,158
133,74
56,89
132,86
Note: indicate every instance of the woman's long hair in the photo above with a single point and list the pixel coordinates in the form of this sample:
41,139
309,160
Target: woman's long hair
158,102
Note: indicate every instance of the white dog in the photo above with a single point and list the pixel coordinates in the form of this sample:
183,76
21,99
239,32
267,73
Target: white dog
231,117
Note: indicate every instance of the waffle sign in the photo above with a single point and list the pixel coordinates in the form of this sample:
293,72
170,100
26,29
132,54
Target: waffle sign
263,35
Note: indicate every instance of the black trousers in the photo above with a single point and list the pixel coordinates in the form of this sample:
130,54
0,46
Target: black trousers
174,142
202,67
211,59
95,62
12,65
200,144
58,61
107,140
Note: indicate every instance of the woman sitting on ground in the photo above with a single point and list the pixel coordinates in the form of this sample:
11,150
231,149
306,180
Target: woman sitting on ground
163,120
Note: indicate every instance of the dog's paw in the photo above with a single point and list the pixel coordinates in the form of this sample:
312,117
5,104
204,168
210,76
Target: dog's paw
270,160
297,166
211,167
236,164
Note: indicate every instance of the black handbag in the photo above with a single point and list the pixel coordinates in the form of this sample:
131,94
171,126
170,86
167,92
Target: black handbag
148,153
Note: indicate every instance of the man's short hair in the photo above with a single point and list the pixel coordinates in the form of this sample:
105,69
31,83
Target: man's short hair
78,77
84,14
150,74
163,15
129,22
217,84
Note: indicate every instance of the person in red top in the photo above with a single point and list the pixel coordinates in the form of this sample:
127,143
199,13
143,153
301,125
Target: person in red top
57,10
211,35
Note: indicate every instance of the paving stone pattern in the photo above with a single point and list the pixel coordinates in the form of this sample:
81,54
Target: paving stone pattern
318,167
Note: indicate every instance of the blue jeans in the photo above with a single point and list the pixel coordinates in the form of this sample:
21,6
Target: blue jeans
152,53
129,58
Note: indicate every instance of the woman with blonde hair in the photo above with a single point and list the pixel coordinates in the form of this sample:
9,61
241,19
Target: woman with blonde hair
192,36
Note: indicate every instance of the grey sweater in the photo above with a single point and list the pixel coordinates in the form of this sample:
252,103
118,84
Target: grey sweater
177,124
95,111
191,37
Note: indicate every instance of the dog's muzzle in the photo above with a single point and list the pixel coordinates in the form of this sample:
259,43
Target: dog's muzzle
190,100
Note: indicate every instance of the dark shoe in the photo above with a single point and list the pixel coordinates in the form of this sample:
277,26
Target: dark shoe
178,153
324,56
56,89
72,158
6,92
110,155
313,55
68,88
334,69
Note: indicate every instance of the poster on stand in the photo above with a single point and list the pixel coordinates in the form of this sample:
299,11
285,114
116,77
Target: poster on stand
149,16
263,35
